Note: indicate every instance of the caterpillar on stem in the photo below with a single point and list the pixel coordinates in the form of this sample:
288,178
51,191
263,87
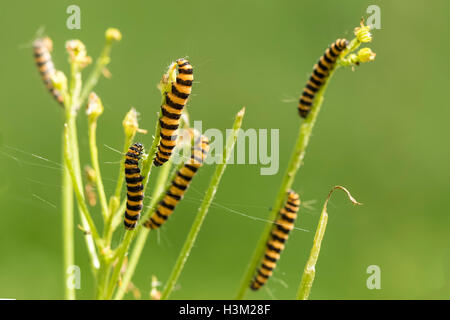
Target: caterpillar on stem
175,101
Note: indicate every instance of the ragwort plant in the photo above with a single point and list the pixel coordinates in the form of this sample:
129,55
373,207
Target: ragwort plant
107,263
110,266
348,59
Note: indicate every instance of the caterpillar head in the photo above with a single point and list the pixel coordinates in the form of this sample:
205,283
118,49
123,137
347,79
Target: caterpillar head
46,42
293,196
342,43
139,147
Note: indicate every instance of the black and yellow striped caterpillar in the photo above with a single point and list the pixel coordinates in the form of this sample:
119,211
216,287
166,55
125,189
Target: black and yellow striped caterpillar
319,75
135,193
180,184
278,237
42,48
171,111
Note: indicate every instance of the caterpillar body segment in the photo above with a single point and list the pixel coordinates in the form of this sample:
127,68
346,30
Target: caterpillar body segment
175,101
42,47
135,193
277,240
180,184
320,75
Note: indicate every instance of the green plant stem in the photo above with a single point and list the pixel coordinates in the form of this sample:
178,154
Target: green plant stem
310,267
72,180
120,257
68,236
121,177
162,184
158,193
295,162
132,262
96,166
85,216
118,217
113,209
123,249
147,164
146,168
103,274
101,62
344,61
203,210
288,178
72,162
91,229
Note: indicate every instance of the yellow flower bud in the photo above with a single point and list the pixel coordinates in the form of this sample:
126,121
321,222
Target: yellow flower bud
113,34
366,55
363,33
95,107
130,123
77,53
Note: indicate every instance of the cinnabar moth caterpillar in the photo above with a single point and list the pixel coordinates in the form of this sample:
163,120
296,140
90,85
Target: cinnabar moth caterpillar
135,193
42,48
320,75
180,184
175,101
278,238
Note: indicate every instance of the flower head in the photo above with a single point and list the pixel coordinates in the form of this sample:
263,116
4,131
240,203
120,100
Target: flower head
130,123
95,107
366,55
77,53
113,34
363,33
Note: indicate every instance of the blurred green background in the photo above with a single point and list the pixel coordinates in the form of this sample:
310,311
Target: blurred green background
381,133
